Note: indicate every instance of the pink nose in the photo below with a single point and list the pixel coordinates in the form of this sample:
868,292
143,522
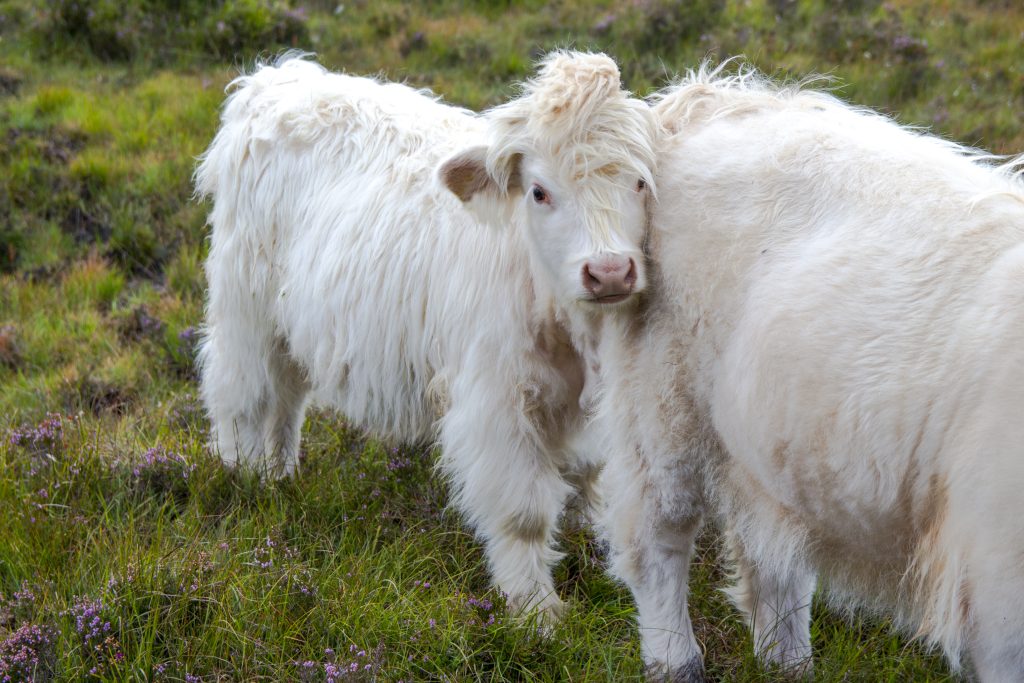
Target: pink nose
609,278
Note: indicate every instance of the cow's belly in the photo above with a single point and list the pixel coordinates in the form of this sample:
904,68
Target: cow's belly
840,420
369,366
357,316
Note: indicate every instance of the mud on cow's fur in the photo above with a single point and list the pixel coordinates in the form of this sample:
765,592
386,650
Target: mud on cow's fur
830,360
432,274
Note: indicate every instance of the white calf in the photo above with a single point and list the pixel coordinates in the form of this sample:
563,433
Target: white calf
343,271
831,359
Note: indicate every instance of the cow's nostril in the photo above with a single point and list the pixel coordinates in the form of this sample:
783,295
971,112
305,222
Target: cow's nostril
630,278
590,281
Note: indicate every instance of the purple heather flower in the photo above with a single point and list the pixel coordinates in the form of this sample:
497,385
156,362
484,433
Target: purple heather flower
398,463
89,623
482,603
604,23
24,595
28,653
42,437
158,462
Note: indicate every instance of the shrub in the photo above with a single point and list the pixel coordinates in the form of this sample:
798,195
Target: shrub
661,25
248,25
162,473
159,30
29,654
111,30
95,624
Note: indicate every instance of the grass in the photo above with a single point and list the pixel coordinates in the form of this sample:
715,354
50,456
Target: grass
127,553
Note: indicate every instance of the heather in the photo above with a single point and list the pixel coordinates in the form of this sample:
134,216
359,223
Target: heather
127,552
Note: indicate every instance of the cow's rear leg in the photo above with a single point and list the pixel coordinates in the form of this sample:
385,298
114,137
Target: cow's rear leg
509,486
282,424
777,607
255,397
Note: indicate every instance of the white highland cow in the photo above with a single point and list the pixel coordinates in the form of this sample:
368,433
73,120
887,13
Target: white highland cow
343,271
831,361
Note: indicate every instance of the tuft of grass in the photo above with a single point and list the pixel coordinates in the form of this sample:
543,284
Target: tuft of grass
92,284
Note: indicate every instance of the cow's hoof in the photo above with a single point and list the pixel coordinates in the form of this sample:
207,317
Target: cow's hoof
691,672
545,612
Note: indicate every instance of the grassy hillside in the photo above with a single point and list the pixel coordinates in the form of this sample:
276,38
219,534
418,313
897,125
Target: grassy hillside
126,553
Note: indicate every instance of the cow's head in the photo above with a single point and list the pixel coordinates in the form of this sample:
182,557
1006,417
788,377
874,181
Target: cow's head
571,162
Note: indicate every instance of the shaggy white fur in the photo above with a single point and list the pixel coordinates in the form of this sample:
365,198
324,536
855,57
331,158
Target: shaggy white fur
831,359
342,271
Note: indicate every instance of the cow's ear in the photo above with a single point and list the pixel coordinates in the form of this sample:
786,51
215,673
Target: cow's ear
465,173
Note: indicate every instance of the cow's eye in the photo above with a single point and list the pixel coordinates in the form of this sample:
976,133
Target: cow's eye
539,195
641,185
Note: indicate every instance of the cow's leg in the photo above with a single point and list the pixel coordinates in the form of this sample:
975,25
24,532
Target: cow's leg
583,473
990,608
282,424
777,607
986,595
232,362
508,484
652,516
996,641
254,397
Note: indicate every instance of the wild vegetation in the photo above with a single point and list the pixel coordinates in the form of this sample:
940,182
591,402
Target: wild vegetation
126,552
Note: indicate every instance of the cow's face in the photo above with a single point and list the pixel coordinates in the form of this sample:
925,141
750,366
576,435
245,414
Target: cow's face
585,228
587,233
568,163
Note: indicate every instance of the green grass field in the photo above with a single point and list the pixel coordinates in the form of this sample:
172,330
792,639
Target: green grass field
127,553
